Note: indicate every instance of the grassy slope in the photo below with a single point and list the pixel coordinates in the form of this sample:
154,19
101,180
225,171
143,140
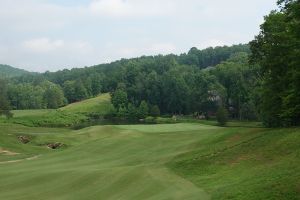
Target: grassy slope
69,115
181,161
100,104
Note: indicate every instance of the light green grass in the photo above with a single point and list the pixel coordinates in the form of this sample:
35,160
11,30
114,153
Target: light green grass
159,128
186,161
25,113
100,104
68,116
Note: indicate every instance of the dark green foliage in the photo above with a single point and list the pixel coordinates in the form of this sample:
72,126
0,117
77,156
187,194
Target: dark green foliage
143,110
240,81
96,80
197,82
277,50
26,96
81,92
8,71
132,112
222,116
154,111
69,91
206,92
54,97
76,91
36,95
210,56
4,102
119,99
159,80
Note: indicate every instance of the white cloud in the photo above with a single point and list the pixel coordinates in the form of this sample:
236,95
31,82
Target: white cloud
147,49
212,43
162,48
31,15
131,8
43,45
111,7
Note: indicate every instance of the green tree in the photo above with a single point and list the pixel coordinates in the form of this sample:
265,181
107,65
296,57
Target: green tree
238,79
132,112
54,97
277,50
4,102
154,111
122,112
69,91
80,91
119,99
143,110
222,116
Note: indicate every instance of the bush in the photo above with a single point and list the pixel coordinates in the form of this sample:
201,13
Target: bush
143,110
150,120
154,111
222,116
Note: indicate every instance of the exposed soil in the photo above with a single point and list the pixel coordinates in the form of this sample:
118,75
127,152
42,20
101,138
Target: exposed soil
7,152
24,139
55,145
14,161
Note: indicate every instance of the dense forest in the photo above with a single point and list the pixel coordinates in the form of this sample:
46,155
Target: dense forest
197,83
7,71
194,83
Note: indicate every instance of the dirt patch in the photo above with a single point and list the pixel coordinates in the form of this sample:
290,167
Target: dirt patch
14,161
7,152
55,145
24,139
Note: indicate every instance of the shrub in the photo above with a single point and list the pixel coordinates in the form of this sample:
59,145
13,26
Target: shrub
154,111
222,116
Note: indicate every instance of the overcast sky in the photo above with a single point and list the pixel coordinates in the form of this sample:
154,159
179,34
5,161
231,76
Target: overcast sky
40,35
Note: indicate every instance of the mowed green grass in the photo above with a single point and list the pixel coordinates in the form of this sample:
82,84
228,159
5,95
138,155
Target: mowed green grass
174,161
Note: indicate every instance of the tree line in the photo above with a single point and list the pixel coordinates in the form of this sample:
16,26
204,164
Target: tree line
150,85
277,50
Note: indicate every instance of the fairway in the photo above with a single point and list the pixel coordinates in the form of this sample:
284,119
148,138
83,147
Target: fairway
102,162
125,162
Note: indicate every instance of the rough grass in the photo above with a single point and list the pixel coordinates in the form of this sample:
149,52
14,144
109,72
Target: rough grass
174,161
68,116
100,104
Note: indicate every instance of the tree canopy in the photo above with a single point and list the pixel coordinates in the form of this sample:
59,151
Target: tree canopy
277,50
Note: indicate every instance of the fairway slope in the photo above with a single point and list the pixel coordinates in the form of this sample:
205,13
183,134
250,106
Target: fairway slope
182,161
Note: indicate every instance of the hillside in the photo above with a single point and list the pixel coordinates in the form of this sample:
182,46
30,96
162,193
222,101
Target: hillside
181,161
9,71
100,104
70,115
